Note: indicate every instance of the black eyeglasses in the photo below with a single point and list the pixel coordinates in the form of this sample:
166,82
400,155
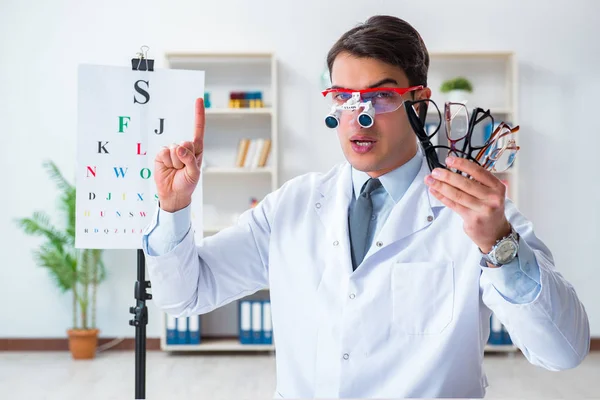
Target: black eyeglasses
456,116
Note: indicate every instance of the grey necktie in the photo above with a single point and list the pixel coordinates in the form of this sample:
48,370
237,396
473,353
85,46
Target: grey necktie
359,221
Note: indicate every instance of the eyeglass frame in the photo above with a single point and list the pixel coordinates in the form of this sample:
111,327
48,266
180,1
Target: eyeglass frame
417,123
400,91
449,119
496,135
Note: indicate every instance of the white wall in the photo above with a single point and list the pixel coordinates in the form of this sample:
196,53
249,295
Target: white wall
41,45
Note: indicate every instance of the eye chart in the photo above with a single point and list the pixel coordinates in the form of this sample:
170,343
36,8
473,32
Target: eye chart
125,116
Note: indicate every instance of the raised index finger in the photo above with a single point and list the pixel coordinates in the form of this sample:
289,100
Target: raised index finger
199,127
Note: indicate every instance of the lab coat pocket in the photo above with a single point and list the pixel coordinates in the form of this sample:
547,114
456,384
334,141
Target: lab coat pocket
423,297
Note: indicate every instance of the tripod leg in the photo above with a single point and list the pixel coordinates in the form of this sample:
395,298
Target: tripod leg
140,362
140,321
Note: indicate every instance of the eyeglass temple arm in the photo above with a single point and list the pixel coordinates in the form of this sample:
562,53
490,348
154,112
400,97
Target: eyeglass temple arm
472,123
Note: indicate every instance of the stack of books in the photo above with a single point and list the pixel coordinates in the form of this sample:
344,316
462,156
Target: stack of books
253,153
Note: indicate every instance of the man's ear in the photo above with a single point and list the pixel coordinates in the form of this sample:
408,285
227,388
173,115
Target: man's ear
424,93
421,94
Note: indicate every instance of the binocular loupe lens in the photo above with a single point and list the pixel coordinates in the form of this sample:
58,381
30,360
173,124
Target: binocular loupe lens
367,117
365,120
331,122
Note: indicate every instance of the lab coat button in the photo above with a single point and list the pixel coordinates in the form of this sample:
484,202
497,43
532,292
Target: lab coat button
430,218
379,244
346,356
336,243
352,295
318,205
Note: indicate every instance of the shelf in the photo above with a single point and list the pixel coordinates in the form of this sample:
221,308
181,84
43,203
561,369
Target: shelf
216,344
239,111
228,187
237,170
501,348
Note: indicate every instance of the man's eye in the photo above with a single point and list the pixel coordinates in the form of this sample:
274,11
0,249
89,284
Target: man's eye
342,96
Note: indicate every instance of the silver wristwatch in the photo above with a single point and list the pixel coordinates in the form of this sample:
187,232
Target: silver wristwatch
504,251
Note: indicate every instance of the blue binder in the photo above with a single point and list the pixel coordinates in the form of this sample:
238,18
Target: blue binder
267,323
171,329
257,331
506,336
182,330
245,322
495,331
194,329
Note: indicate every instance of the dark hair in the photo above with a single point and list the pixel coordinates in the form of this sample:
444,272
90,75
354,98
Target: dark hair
388,39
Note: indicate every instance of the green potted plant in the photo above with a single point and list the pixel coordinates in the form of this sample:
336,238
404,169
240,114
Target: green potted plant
77,270
457,89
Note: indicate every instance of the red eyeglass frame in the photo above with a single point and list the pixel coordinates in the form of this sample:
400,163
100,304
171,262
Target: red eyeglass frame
400,91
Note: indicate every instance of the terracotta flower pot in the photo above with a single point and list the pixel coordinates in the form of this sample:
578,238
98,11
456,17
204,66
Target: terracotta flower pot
83,343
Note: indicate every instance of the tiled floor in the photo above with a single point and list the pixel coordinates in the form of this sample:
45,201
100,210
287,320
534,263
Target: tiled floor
111,376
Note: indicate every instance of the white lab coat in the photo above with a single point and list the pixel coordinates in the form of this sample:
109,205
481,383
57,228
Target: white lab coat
411,321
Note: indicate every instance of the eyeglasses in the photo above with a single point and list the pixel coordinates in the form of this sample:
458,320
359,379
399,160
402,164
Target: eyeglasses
456,118
495,153
500,153
383,100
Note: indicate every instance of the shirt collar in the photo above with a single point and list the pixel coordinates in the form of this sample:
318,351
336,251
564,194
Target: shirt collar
395,182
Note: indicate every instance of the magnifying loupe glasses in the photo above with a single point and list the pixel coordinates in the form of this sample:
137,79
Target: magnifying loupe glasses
369,101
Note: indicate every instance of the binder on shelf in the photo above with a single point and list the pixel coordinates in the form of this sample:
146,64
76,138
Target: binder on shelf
267,323
171,329
257,332
495,331
194,329
245,322
506,337
182,330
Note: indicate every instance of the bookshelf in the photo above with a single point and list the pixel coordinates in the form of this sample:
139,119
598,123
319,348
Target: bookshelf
494,76
228,188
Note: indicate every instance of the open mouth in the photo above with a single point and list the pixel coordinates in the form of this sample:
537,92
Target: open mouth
362,146
363,142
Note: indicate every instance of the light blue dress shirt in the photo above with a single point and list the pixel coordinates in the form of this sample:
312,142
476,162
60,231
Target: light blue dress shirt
518,282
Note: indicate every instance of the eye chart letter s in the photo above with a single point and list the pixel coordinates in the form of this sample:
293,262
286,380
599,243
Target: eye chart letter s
124,119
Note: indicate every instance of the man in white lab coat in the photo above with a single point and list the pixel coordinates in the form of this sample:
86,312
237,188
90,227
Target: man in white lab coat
382,275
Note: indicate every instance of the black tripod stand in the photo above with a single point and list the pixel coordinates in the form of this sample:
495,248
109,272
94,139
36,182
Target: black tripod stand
140,320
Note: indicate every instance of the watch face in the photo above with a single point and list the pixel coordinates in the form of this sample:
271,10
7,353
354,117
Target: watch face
505,252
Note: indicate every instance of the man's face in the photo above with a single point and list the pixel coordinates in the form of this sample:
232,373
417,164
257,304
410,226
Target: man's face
390,141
